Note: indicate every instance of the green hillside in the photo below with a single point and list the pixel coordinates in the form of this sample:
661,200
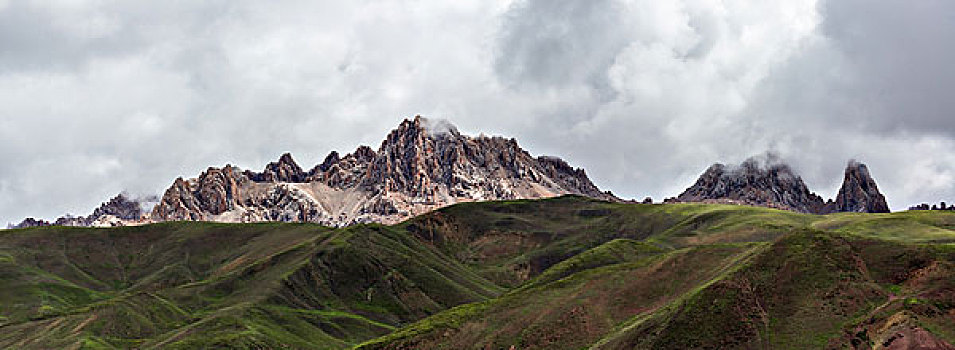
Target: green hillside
562,273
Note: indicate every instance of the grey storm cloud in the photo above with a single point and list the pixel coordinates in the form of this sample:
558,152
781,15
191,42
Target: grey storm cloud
560,43
97,97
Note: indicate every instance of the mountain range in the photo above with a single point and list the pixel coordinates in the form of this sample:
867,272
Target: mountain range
420,166
765,181
427,164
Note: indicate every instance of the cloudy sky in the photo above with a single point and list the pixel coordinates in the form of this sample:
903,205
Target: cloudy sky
97,97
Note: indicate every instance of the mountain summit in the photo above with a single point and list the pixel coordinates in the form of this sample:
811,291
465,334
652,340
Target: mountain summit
762,182
426,164
420,166
121,210
859,192
768,182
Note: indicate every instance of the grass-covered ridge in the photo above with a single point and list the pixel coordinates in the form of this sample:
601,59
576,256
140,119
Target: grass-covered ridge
567,272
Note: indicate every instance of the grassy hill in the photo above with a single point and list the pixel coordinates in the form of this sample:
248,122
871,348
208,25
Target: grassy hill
566,272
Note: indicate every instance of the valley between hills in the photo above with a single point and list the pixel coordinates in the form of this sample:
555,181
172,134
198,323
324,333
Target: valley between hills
568,272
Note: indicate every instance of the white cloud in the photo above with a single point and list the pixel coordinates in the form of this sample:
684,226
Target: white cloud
101,96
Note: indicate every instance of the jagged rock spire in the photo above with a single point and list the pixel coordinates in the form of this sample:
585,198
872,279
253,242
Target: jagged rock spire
859,193
771,183
121,206
283,170
330,159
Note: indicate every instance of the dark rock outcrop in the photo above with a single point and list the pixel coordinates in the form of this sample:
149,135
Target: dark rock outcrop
283,170
178,203
926,206
859,192
70,220
30,222
122,207
119,210
770,183
331,159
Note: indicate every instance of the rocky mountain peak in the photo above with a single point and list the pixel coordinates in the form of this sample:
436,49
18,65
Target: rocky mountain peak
319,172
123,206
330,159
283,170
120,210
408,159
767,181
29,222
421,165
411,134
363,153
178,203
436,128
286,160
214,192
416,131
762,181
859,193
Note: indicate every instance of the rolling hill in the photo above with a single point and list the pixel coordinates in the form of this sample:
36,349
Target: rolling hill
565,272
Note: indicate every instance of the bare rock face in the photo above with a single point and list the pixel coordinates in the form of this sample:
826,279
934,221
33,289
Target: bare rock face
178,203
859,192
425,161
331,159
214,192
284,170
420,166
122,207
70,220
120,210
348,171
30,222
768,182
218,189
286,203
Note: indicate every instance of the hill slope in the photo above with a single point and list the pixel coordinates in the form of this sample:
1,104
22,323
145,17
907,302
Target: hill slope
565,272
